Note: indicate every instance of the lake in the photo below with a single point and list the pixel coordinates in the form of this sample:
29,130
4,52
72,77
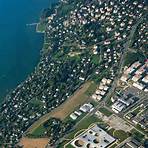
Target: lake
20,45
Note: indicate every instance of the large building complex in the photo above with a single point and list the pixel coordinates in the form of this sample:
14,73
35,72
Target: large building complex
93,137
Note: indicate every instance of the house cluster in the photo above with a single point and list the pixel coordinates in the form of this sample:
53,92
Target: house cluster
141,120
137,73
122,102
140,39
52,83
102,89
80,25
85,108
139,115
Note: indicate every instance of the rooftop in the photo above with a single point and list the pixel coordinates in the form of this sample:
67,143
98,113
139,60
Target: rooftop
94,137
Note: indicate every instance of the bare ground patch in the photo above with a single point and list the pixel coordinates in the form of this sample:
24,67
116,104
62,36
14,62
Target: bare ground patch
118,123
34,143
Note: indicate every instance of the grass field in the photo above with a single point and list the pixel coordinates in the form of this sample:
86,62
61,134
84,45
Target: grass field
91,89
105,111
40,28
84,124
39,131
121,135
132,57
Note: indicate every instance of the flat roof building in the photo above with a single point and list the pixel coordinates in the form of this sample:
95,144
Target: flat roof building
118,106
138,85
73,116
86,107
93,137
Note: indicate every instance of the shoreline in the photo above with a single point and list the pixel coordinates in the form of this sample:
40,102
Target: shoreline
39,30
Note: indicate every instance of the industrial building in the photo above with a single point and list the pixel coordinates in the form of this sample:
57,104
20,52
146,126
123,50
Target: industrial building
123,102
93,137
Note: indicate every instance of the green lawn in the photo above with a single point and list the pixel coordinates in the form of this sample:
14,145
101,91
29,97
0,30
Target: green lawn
84,124
40,131
113,146
91,89
111,131
61,145
132,57
69,146
96,59
105,111
41,27
109,102
121,135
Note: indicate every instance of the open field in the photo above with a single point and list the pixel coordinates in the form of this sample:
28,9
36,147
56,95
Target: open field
83,125
78,98
34,143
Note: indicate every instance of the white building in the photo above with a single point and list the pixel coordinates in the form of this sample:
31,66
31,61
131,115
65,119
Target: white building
103,92
124,78
86,107
94,96
94,137
135,78
145,79
118,107
73,116
79,113
99,97
138,85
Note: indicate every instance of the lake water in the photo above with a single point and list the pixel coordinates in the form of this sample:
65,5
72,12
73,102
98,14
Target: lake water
20,45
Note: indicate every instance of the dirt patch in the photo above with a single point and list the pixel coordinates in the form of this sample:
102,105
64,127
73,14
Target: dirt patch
34,143
78,98
118,123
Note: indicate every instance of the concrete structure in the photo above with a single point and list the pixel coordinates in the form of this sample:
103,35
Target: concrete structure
122,103
138,85
94,137
103,92
79,113
99,97
86,107
135,78
124,78
118,107
145,79
137,72
131,145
